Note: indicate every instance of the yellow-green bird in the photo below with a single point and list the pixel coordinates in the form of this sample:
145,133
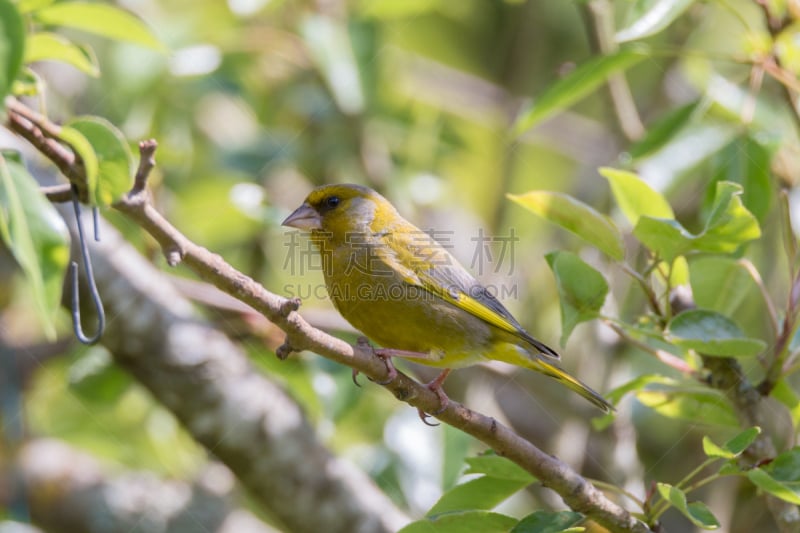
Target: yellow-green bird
402,289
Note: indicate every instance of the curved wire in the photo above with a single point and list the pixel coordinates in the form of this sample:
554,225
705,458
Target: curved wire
73,272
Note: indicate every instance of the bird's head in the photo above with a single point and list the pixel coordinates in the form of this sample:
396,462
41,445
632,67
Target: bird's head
341,209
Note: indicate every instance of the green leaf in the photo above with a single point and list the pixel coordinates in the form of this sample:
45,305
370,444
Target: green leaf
705,406
730,224
83,148
115,163
720,283
663,130
784,393
463,522
659,16
599,423
36,236
728,227
786,466
12,46
46,46
581,289
738,444
635,197
498,467
95,378
638,383
549,522
696,512
576,85
789,492
734,447
575,216
99,19
748,162
482,493
667,238
711,333
26,6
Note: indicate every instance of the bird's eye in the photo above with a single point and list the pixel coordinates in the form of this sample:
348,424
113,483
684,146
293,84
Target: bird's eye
332,201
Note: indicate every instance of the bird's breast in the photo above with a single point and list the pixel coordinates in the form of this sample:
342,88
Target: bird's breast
379,302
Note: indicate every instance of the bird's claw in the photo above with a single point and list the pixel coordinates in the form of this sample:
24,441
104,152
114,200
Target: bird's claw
391,371
385,355
435,386
424,417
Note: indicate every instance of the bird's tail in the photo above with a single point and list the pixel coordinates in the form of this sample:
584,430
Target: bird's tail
573,383
517,355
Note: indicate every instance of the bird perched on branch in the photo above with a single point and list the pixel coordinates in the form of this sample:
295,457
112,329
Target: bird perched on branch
402,289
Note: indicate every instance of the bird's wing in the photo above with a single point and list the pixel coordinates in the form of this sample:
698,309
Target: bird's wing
424,263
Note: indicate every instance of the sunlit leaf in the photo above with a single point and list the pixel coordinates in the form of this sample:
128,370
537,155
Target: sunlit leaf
659,16
100,19
550,522
635,197
582,290
37,237
789,492
576,85
463,522
575,216
114,159
697,512
711,333
614,396
12,45
83,148
784,393
26,6
729,226
483,493
496,466
667,238
46,46
704,406
747,162
734,447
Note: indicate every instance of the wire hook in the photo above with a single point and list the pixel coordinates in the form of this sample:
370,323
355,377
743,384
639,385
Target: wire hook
73,272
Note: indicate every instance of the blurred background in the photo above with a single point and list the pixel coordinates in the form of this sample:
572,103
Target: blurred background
258,101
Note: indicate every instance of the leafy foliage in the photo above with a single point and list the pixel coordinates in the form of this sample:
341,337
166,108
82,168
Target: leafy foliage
686,248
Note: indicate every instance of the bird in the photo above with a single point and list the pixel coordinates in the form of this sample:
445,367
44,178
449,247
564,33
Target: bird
403,290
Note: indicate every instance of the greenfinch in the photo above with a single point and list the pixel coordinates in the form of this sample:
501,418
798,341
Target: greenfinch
406,292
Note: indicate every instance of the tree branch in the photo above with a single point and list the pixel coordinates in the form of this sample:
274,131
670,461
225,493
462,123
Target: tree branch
68,491
578,493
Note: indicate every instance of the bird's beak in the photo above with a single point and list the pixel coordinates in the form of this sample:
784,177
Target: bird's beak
304,217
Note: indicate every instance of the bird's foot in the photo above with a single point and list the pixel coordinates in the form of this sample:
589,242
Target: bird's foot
436,387
391,371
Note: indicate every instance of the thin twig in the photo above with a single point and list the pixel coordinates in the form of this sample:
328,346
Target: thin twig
58,194
662,355
600,15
